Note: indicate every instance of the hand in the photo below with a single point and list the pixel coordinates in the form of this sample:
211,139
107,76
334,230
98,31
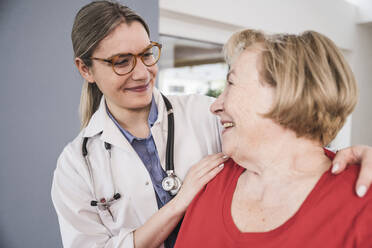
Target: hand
197,177
158,227
356,155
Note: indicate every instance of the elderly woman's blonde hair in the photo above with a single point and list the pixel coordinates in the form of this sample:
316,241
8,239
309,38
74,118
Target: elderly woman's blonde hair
315,87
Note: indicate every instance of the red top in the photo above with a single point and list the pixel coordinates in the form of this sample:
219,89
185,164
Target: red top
331,216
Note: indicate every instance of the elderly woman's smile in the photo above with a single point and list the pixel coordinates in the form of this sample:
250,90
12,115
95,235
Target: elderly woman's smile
227,125
242,104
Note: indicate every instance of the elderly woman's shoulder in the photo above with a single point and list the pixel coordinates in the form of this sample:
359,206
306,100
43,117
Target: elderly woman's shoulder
345,182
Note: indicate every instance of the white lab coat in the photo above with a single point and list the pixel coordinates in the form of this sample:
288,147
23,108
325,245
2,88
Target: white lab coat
197,134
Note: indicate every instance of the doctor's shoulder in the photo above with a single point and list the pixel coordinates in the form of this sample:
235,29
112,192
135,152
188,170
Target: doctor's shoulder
193,105
71,159
194,111
71,185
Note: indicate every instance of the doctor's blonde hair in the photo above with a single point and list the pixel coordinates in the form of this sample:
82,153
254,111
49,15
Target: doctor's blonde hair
92,24
315,89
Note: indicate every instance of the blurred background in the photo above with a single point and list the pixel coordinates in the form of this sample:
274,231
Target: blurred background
40,88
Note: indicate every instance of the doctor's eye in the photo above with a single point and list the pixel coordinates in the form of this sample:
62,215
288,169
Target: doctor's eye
122,61
147,55
150,56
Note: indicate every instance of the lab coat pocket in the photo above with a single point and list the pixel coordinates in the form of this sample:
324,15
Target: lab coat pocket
120,214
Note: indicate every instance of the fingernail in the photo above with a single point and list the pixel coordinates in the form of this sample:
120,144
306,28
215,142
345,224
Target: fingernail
225,156
221,165
361,191
335,168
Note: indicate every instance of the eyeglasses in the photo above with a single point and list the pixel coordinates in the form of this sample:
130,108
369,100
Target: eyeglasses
123,64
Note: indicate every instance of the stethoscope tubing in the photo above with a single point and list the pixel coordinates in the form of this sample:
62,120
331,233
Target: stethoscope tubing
169,160
102,203
105,204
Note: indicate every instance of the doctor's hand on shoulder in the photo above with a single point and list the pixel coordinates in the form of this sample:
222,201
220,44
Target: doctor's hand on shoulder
158,227
359,154
197,177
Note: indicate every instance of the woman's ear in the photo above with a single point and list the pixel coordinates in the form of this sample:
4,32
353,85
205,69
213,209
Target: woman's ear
84,70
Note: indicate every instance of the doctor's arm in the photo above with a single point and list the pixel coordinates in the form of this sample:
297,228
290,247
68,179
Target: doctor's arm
356,155
162,223
81,226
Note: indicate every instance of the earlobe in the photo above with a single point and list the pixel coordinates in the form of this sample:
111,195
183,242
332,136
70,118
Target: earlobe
84,70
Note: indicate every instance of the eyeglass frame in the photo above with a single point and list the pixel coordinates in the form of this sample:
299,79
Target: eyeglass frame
110,60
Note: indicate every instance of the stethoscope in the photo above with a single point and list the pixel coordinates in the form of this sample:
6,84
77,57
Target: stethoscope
171,183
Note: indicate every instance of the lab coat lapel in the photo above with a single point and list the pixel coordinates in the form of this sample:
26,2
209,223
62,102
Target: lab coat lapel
136,183
101,122
142,182
112,135
160,128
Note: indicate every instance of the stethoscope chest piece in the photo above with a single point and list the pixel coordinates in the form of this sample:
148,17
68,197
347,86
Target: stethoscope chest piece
171,183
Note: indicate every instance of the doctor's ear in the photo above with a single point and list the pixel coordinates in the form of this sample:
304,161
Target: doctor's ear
84,70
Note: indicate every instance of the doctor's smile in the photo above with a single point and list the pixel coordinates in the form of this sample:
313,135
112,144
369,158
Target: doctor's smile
140,88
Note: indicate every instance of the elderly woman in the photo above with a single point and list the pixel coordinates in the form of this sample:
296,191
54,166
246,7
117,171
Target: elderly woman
287,96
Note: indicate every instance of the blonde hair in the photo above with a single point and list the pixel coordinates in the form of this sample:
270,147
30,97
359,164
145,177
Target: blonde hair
315,87
92,24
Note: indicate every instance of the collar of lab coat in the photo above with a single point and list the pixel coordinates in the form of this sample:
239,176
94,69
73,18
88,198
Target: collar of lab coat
102,123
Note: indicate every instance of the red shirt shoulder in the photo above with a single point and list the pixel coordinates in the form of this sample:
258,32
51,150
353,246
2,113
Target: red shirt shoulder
331,216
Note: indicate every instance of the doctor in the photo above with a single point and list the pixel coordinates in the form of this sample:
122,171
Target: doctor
114,185
108,185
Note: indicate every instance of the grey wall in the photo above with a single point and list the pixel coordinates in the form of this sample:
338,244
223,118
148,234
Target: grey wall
39,97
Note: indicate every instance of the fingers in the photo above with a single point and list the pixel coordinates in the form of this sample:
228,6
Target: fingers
196,168
342,158
364,180
204,170
198,176
211,174
356,155
365,176
211,163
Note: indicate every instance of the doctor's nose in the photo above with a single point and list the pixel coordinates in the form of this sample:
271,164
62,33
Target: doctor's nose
140,71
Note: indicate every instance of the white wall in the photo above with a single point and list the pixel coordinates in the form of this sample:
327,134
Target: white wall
216,20
194,27
270,15
364,12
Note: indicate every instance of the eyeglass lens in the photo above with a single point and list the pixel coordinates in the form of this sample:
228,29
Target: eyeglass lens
124,63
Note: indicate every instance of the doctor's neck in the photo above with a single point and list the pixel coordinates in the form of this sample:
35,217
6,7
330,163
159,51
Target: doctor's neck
134,120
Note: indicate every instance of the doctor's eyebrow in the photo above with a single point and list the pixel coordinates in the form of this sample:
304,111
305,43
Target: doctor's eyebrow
127,54
119,54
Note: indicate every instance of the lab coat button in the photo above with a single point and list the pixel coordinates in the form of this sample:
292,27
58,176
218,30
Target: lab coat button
147,183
